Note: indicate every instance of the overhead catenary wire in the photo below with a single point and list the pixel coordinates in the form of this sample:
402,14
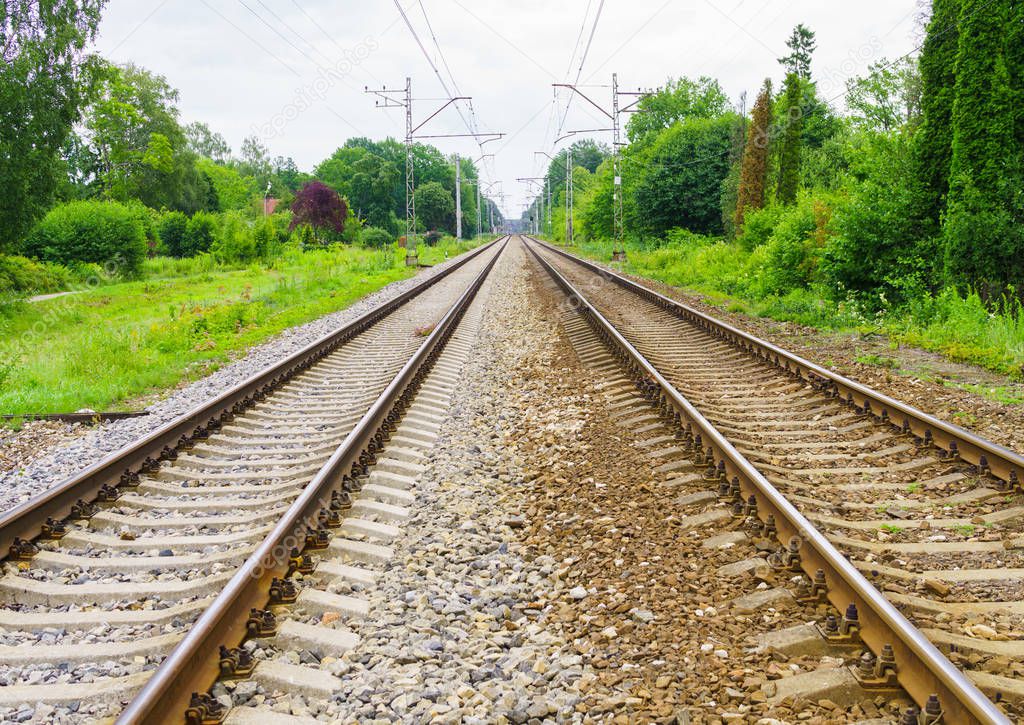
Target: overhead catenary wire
583,60
470,126
293,31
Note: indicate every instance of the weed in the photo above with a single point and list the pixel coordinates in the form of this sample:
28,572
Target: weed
891,528
960,326
878,361
963,417
913,487
964,529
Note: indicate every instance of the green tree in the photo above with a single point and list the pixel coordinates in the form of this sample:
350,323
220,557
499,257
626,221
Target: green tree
200,234
45,79
789,156
435,208
934,141
983,228
754,168
887,98
136,148
873,255
232,189
206,143
99,232
801,44
679,181
679,100
255,160
171,229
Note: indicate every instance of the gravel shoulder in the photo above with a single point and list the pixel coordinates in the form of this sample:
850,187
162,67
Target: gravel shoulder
43,454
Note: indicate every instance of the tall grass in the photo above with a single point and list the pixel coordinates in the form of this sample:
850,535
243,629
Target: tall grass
961,326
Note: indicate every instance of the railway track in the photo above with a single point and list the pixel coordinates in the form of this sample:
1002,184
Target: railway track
865,493
226,553
179,544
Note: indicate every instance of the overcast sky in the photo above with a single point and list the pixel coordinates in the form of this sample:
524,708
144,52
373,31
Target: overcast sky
293,71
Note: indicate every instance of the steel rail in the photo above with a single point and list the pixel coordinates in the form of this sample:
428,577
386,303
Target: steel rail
27,520
921,669
193,665
1002,462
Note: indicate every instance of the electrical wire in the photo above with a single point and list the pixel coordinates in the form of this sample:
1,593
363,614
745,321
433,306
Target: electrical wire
583,60
469,126
294,32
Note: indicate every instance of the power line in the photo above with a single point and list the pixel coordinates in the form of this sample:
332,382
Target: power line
471,127
294,32
579,37
251,39
583,60
278,33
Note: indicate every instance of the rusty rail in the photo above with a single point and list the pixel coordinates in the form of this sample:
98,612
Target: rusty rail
193,665
123,467
1001,462
921,669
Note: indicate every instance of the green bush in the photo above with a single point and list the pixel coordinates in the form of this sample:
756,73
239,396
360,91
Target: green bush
267,238
375,237
758,225
103,232
792,252
149,219
235,241
200,233
171,229
22,275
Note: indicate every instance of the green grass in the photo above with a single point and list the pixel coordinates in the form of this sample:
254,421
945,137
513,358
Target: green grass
104,347
877,361
962,328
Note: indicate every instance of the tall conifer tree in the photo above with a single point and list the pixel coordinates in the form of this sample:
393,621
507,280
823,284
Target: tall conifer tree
789,159
754,168
984,241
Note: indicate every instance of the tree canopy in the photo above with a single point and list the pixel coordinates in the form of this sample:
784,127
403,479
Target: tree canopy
45,79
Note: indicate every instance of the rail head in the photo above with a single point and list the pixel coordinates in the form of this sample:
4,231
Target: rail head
1005,464
122,467
193,665
923,670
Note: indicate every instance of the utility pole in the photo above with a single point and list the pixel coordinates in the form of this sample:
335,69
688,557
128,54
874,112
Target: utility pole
619,251
403,99
539,222
458,199
479,211
568,197
547,186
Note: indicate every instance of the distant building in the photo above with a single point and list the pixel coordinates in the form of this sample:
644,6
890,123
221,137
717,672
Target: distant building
270,205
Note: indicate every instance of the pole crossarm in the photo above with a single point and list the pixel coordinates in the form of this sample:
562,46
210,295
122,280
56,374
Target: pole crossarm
443,106
567,134
458,135
582,95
